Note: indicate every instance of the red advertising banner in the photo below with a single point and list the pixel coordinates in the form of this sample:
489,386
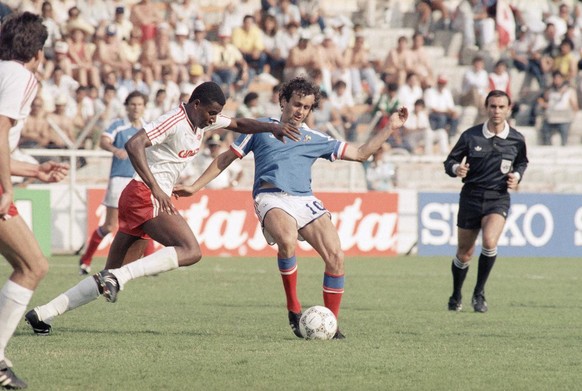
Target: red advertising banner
225,223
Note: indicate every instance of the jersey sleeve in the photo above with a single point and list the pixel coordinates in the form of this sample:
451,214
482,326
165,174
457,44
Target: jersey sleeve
16,95
111,130
221,122
242,145
456,155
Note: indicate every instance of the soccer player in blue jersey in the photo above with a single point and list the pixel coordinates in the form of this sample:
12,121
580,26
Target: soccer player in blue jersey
122,171
284,201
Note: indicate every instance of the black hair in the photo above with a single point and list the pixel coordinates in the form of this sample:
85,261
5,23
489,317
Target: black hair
208,92
301,87
22,35
497,94
135,94
251,96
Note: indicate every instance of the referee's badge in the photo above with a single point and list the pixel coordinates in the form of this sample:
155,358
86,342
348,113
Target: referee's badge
505,166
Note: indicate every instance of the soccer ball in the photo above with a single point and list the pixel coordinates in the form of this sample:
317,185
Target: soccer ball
318,323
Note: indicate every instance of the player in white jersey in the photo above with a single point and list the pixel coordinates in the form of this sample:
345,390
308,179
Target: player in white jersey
284,202
22,38
159,152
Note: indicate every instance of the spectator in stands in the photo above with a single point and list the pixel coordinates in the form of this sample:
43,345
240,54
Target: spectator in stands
343,104
287,40
196,77
202,47
229,68
132,80
36,129
94,11
157,106
146,16
285,12
170,86
475,84
566,62
184,12
499,79
250,107
232,16
418,131
399,62
332,63
519,50
110,54
123,25
326,118
76,19
132,47
441,107
54,32
109,107
543,50
249,40
273,105
81,53
62,126
271,37
58,84
560,105
410,91
343,36
311,14
60,59
303,58
85,110
386,104
181,51
381,173
478,28
150,64
421,62
360,68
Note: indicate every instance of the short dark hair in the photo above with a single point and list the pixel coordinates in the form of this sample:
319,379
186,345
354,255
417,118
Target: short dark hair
135,94
251,96
208,92
22,35
301,87
497,94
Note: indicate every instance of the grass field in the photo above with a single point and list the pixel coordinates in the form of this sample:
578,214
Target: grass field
222,325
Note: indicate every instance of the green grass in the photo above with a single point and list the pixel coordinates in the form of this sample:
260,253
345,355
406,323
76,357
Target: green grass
222,325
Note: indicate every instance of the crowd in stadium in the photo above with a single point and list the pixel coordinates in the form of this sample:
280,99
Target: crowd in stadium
99,51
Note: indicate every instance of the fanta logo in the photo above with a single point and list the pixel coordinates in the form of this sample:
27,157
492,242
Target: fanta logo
187,153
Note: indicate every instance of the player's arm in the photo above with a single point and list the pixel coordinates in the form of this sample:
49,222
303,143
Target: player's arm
364,151
135,148
47,172
106,143
218,165
279,130
457,158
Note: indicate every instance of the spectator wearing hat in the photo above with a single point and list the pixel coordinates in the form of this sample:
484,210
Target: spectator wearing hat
81,53
61,59
181,51
249,40
229,66
110,54
75,18
442,112
202,47
146,16
196,77
303,58
124,26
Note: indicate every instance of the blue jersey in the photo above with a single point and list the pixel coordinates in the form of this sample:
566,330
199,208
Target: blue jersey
120,131
287,165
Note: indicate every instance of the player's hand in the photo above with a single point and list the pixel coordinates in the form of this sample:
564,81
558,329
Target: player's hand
463,168
287,130
512,181
50,172
164,202
5,201
182,191
398,118
120,153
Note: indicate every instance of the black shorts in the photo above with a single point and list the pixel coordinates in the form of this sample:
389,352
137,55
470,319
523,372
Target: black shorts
476,204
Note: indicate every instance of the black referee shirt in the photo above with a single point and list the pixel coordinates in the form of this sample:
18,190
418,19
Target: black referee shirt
490,159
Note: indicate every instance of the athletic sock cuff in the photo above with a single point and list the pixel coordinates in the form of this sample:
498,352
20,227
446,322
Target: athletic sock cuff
333,283
17,293
460,265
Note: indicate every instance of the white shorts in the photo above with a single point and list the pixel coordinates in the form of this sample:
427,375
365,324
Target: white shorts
304,209
114,188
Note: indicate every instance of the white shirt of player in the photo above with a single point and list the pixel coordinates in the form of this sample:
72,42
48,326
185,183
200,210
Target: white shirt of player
18,88
175,142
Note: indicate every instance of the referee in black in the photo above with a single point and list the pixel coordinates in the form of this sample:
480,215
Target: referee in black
490,158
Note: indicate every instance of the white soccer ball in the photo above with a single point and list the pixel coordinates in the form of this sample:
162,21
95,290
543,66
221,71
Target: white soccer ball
318,323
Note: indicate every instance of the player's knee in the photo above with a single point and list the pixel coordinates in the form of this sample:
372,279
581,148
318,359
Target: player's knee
286,248
36,271
191,255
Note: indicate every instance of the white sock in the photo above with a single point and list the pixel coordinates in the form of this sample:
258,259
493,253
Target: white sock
82,293
161,261
13,301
